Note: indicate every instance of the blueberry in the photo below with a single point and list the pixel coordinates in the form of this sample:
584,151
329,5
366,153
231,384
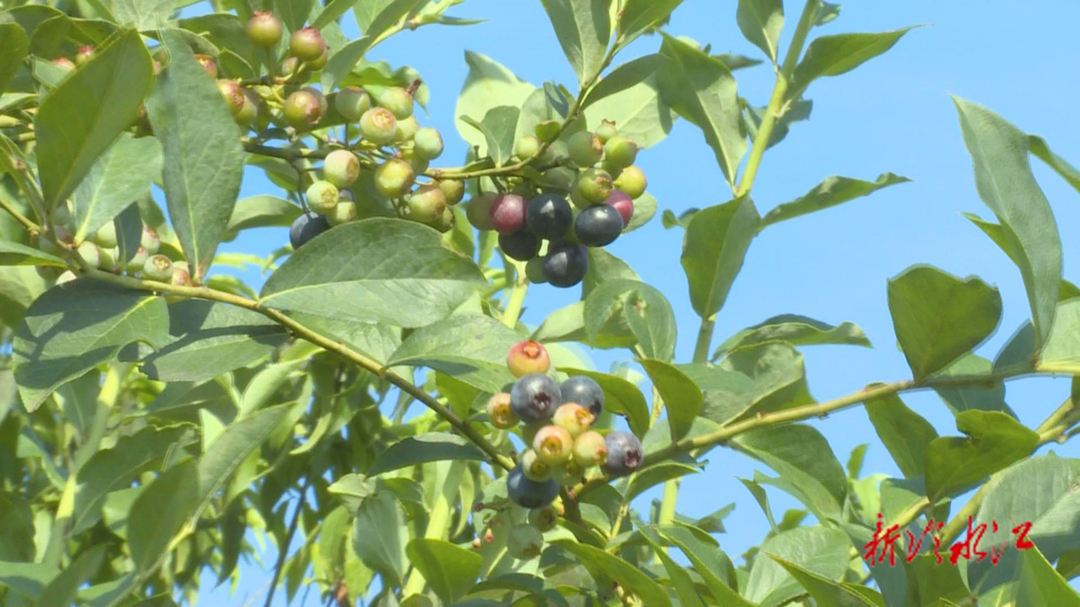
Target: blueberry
573,417
585,148
590,449
351,102
307,44
524,542
499,412
478,211
264,29
565,265
379,126
534,271
428,142
624,453
553,445
621,201
397,100
529,493
527,357
606,130
535,397
632,181
508,213
549,216
305,227
522,245
584,391
599,225
544,519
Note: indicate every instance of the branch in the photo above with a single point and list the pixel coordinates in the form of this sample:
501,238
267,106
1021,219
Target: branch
23,219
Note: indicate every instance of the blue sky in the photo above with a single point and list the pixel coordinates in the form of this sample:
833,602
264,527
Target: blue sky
892,114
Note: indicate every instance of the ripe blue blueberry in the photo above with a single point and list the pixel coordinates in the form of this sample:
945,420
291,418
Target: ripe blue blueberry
624,453
535,397
549,216
529,493
565,265
599,225
522,245
305,227
584,391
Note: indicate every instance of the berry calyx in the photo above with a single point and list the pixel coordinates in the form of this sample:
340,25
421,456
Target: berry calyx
524,542
572,417
181,275
522,245
379,126
478,211
553,445
341,168
606,130
344,212
305,227
394,178
453,189
527,357
427,204
565,265
535,397
529,493
590,449
549,216
64,63
351,102
594,185
303,109
585,391
322,196
585,148
307,44
622,203
499,412
158,267
533,467
624,453
544,519
508,213
598,225
209,64
632,181
428,142
620,151
397,100
264,29
84,54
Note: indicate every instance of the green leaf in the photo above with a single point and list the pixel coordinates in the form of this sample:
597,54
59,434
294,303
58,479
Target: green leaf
1004,180
1040,585
387,270
1042,151
604,266
702,90
682,398
600,563
583,28
208,338
498,126
630,96
488,85
108,91
656,474
760,22
644,210
796,330
17,534
423,448
820,550
14,45
333,10
830,593
939,317
803,458
26,579
797,110
232,447
994,440
112,469
450,570
829,193
989,397
470,347
645,309
293,13
709,562
777,382
621,397
714,247
123,174
160,511
835,55
63,588
684,584
262,211
380,534
15,254
905,433
1062,350
203,157
638,17
77,326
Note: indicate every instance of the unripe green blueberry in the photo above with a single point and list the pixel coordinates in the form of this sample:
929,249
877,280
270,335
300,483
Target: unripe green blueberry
303,109
318,64
110,259
556,152
544,519
569,474
150,240
478,211
428,142
406,129
294,69
577,199
590,449
249,111
553,445
344,212
620,151
606,130
534,270
84,54
233,94
526,147
322,196
379,126
66,277
394,178
138,261
264,29
64,63
89,253
181,275
527,357
351,102
499,412
418,163
559,177
397,100
585,148
62,214
453,189
307,44
324,105
105,235
525,542
594,185
209,64
573,417
449,220
427,204
632,181
341,168
533,467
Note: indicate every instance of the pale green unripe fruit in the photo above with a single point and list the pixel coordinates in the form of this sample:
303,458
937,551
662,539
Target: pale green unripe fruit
62,215
158,267
264,29
559,177
89,253
379,126
322,197
307,44
606,130
351,102
394,178
544,519
585,148
569,474
448,221
303,109
477,211
341,168
620,151
428,142
110,259
525,542
632,181
344,212
66,277
407,128
150,240
397,100
526,147
138,261
593,186
533,468
427,204
105,235
453,189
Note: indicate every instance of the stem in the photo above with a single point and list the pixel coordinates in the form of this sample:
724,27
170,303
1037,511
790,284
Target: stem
704,339
283,550
438,522
517,300
23,219
307,334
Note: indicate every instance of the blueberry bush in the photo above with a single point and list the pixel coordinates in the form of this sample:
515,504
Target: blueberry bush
379,411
